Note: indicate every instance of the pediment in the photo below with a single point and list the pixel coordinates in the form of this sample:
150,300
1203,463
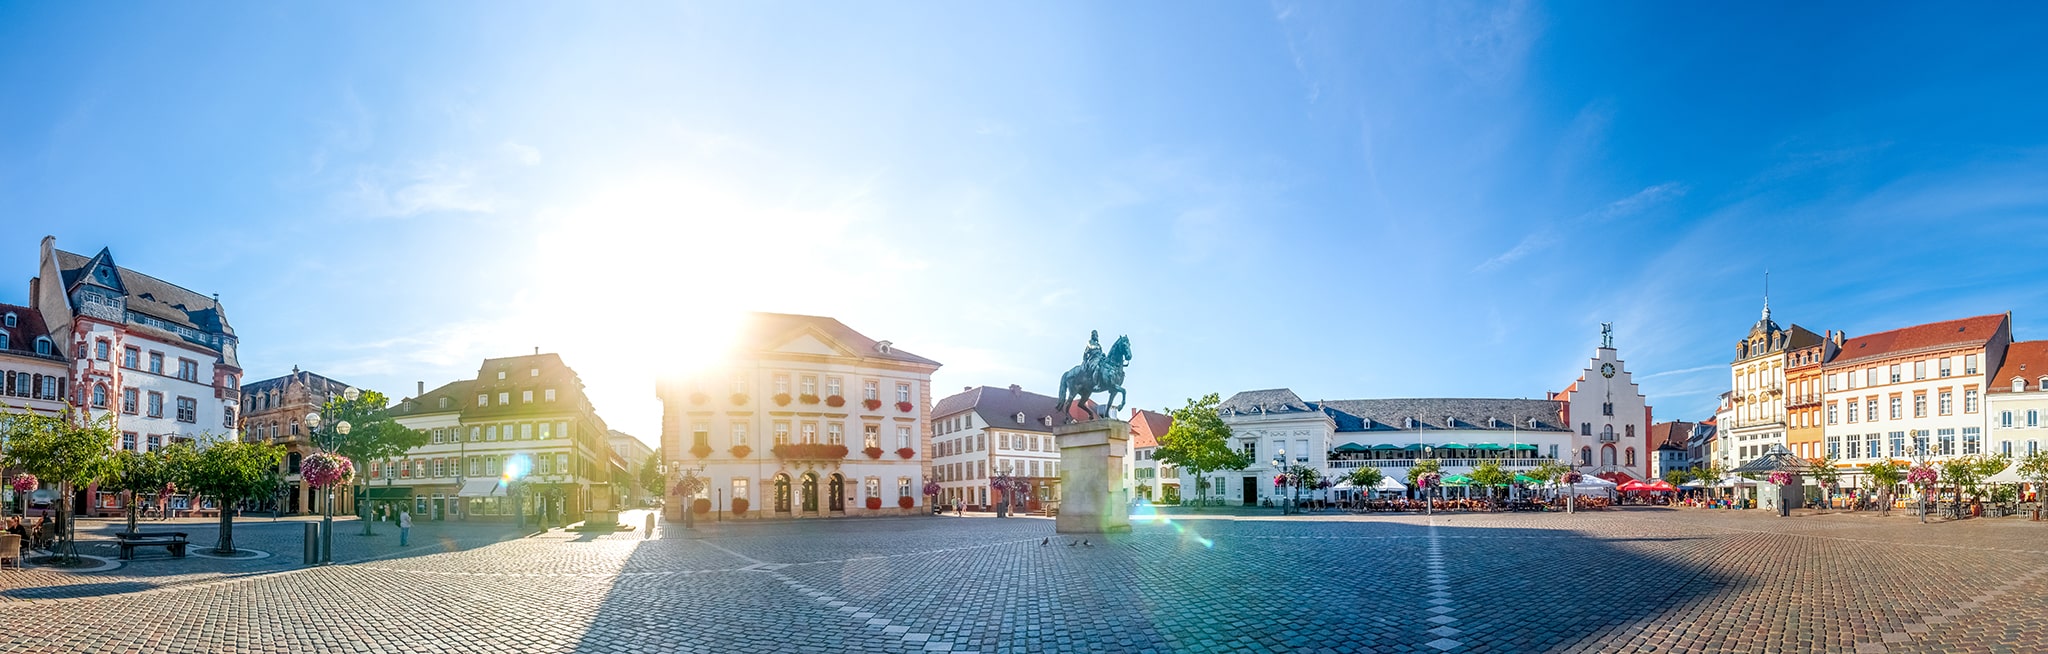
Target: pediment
811,342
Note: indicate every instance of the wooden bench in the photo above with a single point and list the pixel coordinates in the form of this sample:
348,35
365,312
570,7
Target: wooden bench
172,541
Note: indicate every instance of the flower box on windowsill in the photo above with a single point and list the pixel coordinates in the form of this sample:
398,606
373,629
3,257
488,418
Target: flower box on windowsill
905,502
807,398
781,399
739,399
905,407
699,398
809,451
739,506
835,401
874,503
872,452
871,404
905,452
701,451
700,506
741,451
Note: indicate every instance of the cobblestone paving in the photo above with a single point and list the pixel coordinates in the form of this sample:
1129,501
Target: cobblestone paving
1645,580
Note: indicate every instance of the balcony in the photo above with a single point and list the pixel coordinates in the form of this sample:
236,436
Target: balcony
1801,401
1609,438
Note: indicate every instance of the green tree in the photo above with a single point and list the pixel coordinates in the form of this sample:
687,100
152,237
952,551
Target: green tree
1199,442
1827,476
132,474
1491,476
1551,473
372,436
67,449
1676,477
1366,478
1965,474
651,479
1421,468
1988,465
1886,476
1303,477
2034,468
228,470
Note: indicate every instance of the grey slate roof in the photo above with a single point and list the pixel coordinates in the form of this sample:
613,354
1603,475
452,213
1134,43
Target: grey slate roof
151,296
998,407
314,382
1393,414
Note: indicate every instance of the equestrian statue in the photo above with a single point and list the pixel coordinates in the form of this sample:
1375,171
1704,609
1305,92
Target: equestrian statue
1099,372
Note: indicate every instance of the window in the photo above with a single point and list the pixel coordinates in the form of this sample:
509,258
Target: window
227,417
491,466
491,433
1870,409
156,442
548,395
1971,436
1834,447
43,345
562,429
547,430
131,401
1970,364
295,426
526,396
100,349
1585,429
533,372
871,436
2033,447
835,433
1947,440
156,363
156,405
739,433
476,434
1895,376
1607,408
188,410
873,487
128,440
188,370
739,383
1919,405
504,398
1919,370
483,399
1898,403
547,465
2033,417
1947,366
1948,402
832,386
1869,376
1898,443
436,436
526,431
476,466
902,437
781,433
1630,456
1832,411
2005,448
809,385
781,384
739,489
440,468
903,487
131,357
1020,417
903,392
1870,445
562,463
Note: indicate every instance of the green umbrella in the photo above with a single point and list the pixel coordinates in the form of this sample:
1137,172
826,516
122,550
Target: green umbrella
1352,447
1389,446
1452,446
1488,446
1457,480
1525,479
1523,446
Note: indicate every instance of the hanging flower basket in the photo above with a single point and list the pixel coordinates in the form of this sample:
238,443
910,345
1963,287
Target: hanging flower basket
871,404
25,482
739,505
1922,476
905,452
905,407
689,486
699,398
781,399
835,401
739,399
809,451
321,470
701,450
1279,480
1573,477
741,452
932,488
807,398
1780,478
872,452
874,503
701,506
905,502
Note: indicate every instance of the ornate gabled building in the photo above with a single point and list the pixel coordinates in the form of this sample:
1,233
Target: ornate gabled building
158,357
274,411
804,417
1611,417
1759,396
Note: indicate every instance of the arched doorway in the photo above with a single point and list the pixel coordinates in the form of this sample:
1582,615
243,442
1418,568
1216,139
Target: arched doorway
837,492
1607,455
782,493
810,493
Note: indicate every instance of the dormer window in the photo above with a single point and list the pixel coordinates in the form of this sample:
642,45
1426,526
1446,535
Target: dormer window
3,340
43,345
533,372
2019,385
501,374
444,403
1532,423
1407,423
2044,383
10,320
1047,420
1020,417
883,346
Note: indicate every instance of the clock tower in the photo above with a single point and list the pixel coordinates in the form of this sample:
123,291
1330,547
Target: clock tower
1609,417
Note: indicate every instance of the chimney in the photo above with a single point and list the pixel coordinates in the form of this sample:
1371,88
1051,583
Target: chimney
536,350
1016,390
423,388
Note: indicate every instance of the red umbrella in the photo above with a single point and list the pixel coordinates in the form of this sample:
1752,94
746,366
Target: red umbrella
1660,485
1632,486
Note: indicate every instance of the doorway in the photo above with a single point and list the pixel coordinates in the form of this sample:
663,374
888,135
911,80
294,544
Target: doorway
1251,491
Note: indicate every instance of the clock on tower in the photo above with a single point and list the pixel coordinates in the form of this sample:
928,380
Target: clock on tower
1607,370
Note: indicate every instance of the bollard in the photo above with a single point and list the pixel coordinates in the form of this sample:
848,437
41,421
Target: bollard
650,525
312,543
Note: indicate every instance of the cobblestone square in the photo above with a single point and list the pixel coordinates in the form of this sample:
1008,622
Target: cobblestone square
1651,580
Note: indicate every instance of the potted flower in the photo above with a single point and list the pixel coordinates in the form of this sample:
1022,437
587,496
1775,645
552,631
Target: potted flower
739,506
325,469
741,451
701,450
905,407
871,403
739,399
781,399
874,503
809,451
931,488
1779,478
24,483
807,398
835,401
700,506
905,502
699,397
872,452
905,452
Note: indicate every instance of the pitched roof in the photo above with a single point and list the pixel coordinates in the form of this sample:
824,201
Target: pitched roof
1393,414
456,392
28,326
765,331
998,407
315,382
2027,360
1148,426
148,295
1977,330
1676,431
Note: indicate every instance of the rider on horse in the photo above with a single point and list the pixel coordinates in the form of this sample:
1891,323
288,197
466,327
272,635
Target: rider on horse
1093,352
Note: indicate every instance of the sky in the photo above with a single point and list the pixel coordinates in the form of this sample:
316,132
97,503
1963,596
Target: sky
1352,200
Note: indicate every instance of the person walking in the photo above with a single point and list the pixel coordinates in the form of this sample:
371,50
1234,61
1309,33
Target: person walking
404,526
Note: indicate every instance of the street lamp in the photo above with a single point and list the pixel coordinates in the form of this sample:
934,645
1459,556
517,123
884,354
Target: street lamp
339,428
1280,474
1920,460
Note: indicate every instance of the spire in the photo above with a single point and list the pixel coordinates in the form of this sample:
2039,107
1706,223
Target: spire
1767,294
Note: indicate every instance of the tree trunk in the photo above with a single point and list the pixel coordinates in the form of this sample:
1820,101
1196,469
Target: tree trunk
226,546
130,504
68,549
363,510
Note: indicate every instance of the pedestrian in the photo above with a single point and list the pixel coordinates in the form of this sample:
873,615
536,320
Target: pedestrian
404,526
958,509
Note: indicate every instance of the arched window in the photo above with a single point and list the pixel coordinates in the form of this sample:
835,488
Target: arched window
1607,455
1586,456
3,336
99,396
1629,456
295,426
43,345
10,320
1607,432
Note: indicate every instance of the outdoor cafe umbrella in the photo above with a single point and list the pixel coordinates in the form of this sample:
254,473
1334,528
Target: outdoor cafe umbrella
1633,485
1457,480
1660,486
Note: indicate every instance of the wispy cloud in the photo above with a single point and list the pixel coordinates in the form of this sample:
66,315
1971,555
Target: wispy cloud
1552,234
1682,371
423,188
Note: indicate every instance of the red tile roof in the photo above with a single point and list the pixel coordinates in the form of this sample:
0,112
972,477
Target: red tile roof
2027,360
1148,426
1965,331
1675,432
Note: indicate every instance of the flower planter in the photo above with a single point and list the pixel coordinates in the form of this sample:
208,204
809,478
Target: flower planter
781,399
699,398
874,503
807,398
739,399
871,404
809,451
905,502
872,452
905,407
739,505
835,401
700,506
905,452
741,452
701,451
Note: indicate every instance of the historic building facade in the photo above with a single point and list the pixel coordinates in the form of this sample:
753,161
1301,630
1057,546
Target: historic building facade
633,452
34,373
1669,447
1803,395
158,357
1912,392
984,431
1757,404
2017,401
804,417
1611,416
520,438
1148,478
274,411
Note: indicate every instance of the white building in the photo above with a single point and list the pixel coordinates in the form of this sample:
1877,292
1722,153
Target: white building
983,431
1145,476
805,418
2017,402
1611,415
159,357
1756,421
1913,391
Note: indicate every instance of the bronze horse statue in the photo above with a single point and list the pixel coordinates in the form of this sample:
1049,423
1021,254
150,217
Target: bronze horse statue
1105,374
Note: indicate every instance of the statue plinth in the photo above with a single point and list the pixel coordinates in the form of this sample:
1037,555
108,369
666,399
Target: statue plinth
1092,498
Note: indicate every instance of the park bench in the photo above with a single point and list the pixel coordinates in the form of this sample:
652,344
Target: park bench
174,542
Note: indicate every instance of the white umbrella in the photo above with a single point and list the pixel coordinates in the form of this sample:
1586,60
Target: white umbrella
1693,484
1390,484
2010,475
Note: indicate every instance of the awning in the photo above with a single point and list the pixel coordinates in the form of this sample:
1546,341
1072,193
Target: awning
386,493
2010,475
1522,447
487,487
1342,485
1488,446
1452,446
1391,484
1386,446
1457,480
1352,447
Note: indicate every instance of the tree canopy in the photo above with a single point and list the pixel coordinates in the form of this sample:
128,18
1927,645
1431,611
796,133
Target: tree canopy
63,449
228,470
651,479
373,435
1199,441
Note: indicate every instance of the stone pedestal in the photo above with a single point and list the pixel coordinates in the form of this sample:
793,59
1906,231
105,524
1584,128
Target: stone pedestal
1091,471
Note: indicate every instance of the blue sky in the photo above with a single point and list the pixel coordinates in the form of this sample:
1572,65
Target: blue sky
1350,199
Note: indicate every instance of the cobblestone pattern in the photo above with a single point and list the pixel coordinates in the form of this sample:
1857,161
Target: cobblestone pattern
1632,580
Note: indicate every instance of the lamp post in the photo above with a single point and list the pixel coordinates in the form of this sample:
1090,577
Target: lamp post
1280,475
1920,460
340,428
